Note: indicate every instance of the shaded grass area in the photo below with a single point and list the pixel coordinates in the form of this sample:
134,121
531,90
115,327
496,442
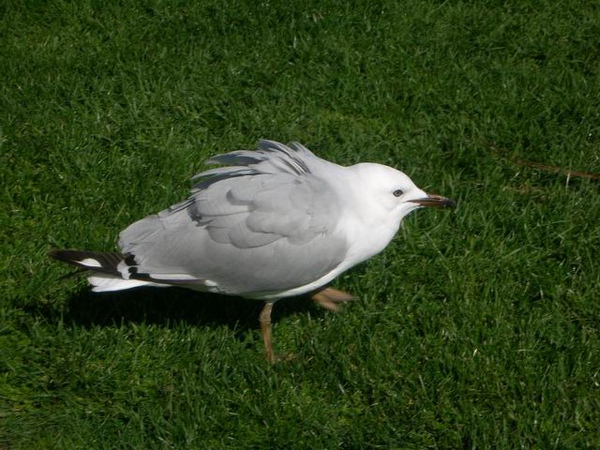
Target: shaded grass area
474,329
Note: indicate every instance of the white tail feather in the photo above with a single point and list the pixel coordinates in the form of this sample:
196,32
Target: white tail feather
108,283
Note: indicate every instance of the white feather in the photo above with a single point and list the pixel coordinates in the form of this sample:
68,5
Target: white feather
108,283
90,262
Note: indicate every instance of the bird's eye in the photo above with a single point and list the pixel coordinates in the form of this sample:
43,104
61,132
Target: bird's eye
398,192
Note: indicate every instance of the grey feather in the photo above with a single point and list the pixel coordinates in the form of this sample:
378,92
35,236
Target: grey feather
241,221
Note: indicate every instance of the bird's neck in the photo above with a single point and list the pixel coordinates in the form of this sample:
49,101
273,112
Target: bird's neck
367,228
366,232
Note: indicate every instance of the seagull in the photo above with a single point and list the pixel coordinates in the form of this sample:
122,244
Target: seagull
269,224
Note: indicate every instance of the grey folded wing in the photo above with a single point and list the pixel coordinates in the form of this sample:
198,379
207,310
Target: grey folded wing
247,234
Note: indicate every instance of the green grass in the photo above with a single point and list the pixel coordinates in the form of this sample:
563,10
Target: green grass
476,328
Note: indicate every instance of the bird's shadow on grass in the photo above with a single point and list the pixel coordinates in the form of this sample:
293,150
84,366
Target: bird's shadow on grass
170,306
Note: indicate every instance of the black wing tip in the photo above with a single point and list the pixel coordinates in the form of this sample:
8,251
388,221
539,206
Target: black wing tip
67,256
106,262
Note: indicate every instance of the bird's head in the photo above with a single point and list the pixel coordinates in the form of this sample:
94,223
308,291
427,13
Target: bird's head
392,191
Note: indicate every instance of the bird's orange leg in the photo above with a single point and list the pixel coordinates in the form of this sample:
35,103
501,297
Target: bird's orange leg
330,298
265,326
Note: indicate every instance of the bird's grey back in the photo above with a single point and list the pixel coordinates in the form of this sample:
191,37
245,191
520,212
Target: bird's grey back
262,224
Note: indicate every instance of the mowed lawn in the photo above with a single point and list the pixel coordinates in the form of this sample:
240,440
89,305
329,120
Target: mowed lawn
476,328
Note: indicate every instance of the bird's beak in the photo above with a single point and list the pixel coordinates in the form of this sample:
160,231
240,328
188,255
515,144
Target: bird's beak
434,200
